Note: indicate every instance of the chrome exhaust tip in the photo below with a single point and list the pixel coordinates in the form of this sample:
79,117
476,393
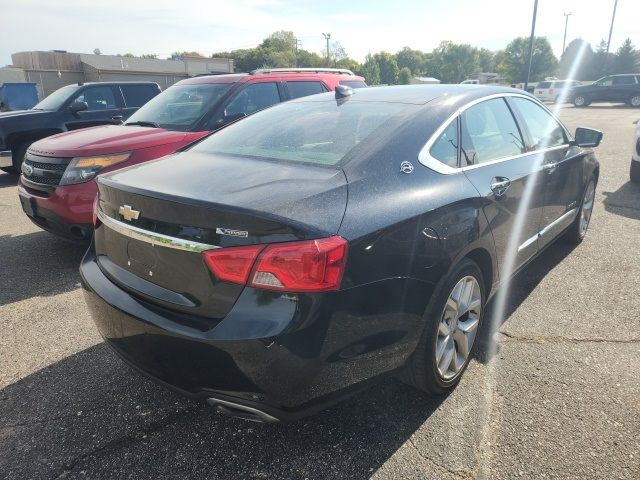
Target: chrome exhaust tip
243,412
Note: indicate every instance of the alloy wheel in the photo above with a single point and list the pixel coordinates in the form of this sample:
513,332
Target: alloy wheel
635,101
458,327
587,208
579,101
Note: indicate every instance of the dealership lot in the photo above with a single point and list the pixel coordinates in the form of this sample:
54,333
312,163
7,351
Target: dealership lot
558,399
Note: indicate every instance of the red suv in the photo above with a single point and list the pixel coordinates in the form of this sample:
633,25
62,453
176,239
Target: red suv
57,186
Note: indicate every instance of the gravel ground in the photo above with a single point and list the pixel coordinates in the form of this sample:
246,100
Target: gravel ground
559,399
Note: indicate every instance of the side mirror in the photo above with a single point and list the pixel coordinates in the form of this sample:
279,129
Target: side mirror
587,137
77,106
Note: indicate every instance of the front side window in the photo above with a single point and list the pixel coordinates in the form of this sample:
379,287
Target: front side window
605,82
543,85
445,148
303,89
545,131
56,99
316,132
179,107
97,98
489,132
253,98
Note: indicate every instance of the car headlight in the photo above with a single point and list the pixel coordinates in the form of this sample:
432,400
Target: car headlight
83,169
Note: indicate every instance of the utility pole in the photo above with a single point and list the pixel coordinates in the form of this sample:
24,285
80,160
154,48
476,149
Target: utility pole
606,55
533,30
296,45
327,37
566,23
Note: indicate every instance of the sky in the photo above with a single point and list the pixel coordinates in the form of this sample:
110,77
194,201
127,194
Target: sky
208,26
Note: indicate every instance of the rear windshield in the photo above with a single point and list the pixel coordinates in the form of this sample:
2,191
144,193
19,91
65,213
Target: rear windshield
353,83
311,132
543,85
179,107
57,98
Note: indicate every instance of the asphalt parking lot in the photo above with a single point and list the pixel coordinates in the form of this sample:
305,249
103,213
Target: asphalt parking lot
559,399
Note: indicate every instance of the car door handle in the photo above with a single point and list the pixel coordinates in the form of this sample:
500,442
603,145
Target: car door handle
499,185
117,117
550,167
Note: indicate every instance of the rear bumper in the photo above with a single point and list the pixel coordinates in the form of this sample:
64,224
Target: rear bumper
286,356
6,158
64,211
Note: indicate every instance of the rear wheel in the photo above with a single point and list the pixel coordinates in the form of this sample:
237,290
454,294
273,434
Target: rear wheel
634,171
578,229
18,158
453,319
580,101
634,101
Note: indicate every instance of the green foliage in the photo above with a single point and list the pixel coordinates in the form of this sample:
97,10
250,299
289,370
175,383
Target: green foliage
453,63
404,77
370,70
389,70
626,59
514,64
411,59
577,61
149,55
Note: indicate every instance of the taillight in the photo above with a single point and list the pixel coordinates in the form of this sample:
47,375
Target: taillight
307,266
232,264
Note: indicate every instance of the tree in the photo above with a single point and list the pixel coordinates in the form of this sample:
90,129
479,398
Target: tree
370,70
602,61
148,55
336,53
125,55
404,77
486,60
453,63
388,68
626,58
411,59
577,61
515,62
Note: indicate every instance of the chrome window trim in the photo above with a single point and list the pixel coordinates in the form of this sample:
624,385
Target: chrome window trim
152,237
426,159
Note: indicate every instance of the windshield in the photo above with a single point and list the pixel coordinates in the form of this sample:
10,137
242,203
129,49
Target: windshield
311,132
57,98
181,106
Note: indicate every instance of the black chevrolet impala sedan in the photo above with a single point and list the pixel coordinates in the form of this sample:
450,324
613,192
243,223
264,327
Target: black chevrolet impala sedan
299,254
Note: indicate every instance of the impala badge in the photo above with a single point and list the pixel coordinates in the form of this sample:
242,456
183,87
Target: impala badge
406,167
232,232
128,213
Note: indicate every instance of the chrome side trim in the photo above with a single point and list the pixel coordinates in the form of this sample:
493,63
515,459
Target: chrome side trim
546,229
557,221
425,158
155,239
528,242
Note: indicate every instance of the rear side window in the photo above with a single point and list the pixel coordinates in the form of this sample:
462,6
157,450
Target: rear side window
253,98
98,98
302,89
445,148
489,132
137,95
545,130
624,80
354,83
543,85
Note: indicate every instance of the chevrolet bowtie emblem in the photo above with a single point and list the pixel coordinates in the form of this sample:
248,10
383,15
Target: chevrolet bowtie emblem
128,213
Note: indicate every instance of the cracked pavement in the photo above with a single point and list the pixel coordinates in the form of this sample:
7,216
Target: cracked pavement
560,398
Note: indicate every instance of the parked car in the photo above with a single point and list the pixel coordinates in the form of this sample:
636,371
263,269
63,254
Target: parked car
17,96
635,156
69,108
612,88
555,91
57,187
300,254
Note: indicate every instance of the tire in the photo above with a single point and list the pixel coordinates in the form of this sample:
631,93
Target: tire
422,370
18,158
634,171
578,230
581,101
634,100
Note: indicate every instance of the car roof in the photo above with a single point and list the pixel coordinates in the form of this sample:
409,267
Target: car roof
138,82
449,94
247,77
